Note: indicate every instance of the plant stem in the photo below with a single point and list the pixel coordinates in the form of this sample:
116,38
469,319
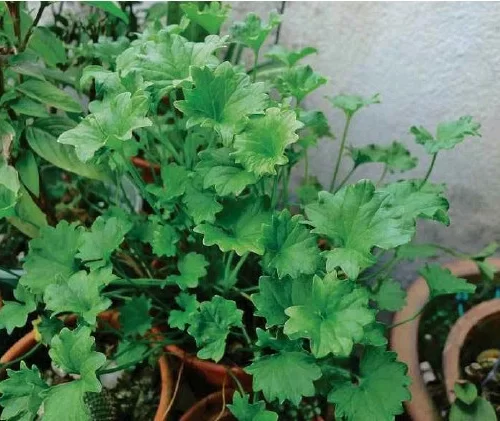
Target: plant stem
384,173
274,193
238,266
345,179
255,67
38,16
228,265
341,151
286,181
306,167
402,322
429,170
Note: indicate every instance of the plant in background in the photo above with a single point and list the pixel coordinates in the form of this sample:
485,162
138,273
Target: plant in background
222,258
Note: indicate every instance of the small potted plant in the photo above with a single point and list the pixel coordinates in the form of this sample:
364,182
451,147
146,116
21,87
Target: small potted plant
270,294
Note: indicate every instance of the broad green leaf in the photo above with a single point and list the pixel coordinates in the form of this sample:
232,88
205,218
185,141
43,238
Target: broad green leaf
289,57
395,156
48,94
164,240
15,313
357,218
81,295
67,399
480,410
413,251
222,99
9,189
47,263
211,17
378,392
73,352
448,134
273,298
48,46
261,146
350,104
285,376
390,296
102,240
174,178
22,393
238,227
192,268
111,7
299,81
201,205
106,81
333,318
110,123
253,32
128,353
28,172
441,281
291,249
180,318
243,410
465,392
42,138
134,316
375,335
219,170
28,107
210,326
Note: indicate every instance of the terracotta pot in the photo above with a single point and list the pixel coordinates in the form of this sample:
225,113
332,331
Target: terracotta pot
404,339
147,168
28,341
215,374
463,332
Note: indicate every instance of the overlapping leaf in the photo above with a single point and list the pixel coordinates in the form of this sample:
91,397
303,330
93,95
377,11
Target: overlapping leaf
395,156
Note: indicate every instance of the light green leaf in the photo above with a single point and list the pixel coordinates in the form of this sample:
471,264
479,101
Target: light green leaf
200,205
238,227
378,393
285,376
81,295
210,18
9,189
48,94
299,81
210,326
174,178
395,156
180,318
134,316
48,46
253,32
465,392
192,268
374,335
46,328
46,264
28,172
480,410
412,251
291,249
28,107
22,393
261,146
128,353
164,240
111,7
390,296
288,57
222,99
273,298
243,410
67,399
448,134
350,104
15,313
333,318
441,281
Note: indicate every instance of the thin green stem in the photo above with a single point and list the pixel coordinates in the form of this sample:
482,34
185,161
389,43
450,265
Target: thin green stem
306,167
427,175
238,266
345,179
286,181
274,193
341,151
255,67
229,262
409,319
246,335
382,176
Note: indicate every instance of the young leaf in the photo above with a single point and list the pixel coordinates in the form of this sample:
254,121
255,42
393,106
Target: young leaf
134,316
374,335
15,313
211,324
350,104
46,328
333,318
380,389
299,81
390,296
273,298
48,94
238,227
448,134
290,247
164,240
192,268
285,375
261,146
243,410
218,169
252,32
441,281
110,123
315,122
222,99
80,295
287,57
210,18
9,189
46,264
200,205
395,156
180,318
465,392
174,179
356,219
103,239
22,393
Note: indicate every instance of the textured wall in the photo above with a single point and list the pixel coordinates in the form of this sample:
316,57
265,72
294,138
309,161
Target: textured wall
430,62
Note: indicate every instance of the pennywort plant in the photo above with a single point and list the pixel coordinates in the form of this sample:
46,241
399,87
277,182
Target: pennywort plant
224,256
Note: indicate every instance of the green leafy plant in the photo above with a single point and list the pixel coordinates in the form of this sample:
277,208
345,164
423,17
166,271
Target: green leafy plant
222,257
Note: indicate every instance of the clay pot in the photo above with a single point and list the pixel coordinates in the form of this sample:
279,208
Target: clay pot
28,341
147,168
467,330
404,338
215,374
